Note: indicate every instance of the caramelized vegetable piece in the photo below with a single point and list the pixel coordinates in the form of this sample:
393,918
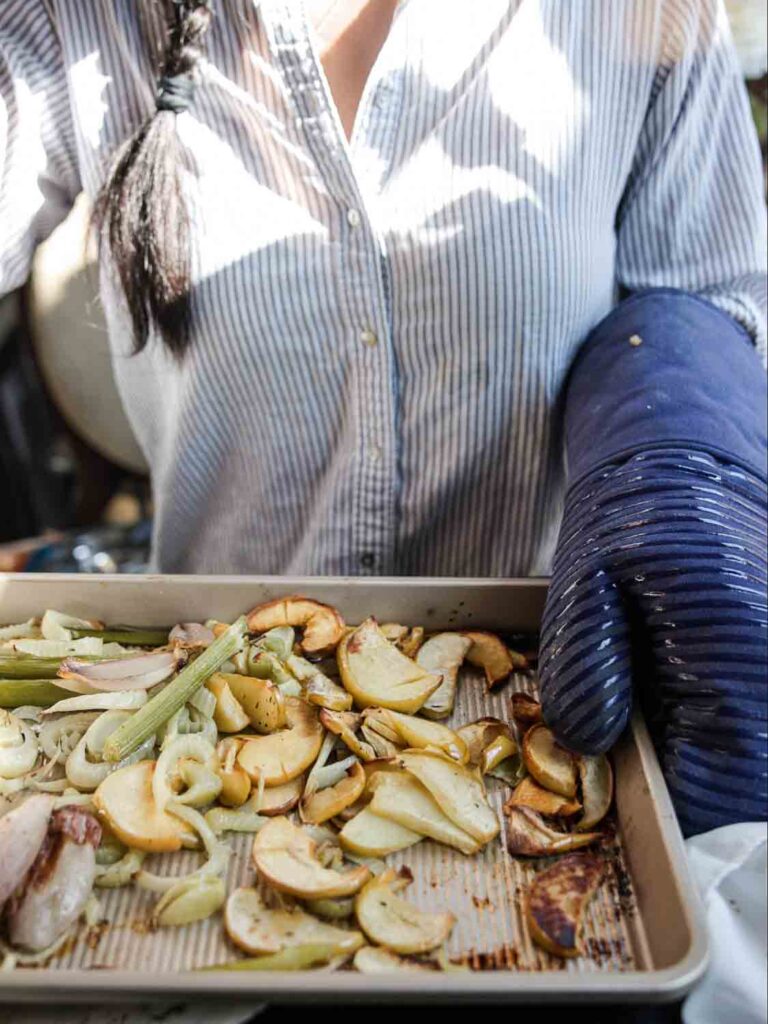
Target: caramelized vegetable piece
286,857
489,653
256,929
284,755
556,901
410,644
530,794
526,711
376,673
442,655
235,781
549,763
529,836
323,804
260,699
345,724
369,835
277,800
323,626
409,731
124,800
481,736
458,792
229,714
596,777
403,800
390,921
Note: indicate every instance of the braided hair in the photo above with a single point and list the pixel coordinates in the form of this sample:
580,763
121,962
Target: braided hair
140,211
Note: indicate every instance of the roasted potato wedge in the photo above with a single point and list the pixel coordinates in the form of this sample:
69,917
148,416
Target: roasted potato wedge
557,898
124,800
549,763
390,921
528,835
260,699
490,653
322,625
457,791
282,756
369,835
255,928
530,794
376,673
442,655
285,856
402,799
596,777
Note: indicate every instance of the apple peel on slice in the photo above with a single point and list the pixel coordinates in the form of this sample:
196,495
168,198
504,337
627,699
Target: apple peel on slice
276,800
491,654
286,857
319,805
557,898
549,763
323,625
392,922
528,835
256,928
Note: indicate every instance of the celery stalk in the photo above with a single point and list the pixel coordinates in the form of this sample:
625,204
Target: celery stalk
128,637
40,693
147,720
27,666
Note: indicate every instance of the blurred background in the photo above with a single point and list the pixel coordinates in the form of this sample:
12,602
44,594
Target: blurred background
76,494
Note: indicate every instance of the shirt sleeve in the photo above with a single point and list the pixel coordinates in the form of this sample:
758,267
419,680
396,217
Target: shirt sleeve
693,212
39,177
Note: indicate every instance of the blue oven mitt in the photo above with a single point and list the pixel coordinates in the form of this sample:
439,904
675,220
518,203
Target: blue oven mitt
659,579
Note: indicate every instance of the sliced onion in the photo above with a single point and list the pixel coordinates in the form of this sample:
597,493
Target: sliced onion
18,747
203,783
128,700
167,767
29,630
60,736
204,702
87,645
191,634
87,775
121,872
218,853
227,819
57,625
139,672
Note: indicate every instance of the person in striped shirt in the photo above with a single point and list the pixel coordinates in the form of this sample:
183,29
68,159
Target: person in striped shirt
420,287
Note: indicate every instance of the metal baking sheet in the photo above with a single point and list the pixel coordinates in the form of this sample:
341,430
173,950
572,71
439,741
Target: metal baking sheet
644,937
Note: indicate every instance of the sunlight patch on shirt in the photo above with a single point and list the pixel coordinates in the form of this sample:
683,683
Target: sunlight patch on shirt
531,82
88,86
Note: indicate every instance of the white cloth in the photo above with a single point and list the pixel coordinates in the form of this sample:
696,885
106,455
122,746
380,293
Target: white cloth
729,865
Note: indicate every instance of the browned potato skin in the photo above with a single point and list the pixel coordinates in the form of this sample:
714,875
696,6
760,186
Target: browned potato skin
323,625
556,900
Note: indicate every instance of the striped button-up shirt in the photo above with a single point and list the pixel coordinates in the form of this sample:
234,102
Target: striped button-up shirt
383,326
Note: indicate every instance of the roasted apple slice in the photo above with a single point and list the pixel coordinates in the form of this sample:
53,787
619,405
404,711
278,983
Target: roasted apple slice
488,741
345,724
369,835
124,800
229,714
323,626
549,763
377,674
557,898
319,805
261,700
375,960
526,710
257,929
442,655
286,857
282,756
402,799
276,800
459,793
530,794
491,654
390,921
409,731
529,835
596,777
235,781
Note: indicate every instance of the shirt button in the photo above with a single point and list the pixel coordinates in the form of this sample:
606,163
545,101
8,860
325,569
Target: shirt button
368,560
368,338
353,218
375,452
